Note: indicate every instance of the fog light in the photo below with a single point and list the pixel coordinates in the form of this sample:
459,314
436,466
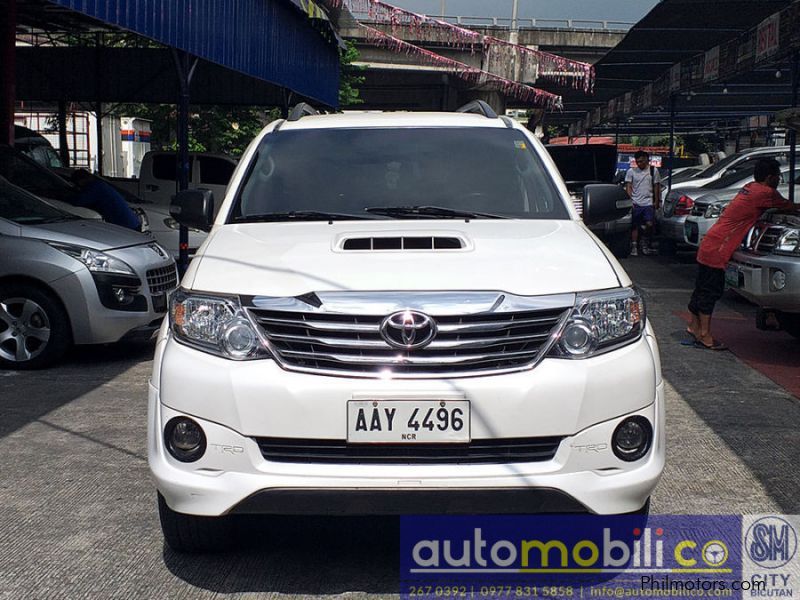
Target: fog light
778,279
122,295
184,439
632,438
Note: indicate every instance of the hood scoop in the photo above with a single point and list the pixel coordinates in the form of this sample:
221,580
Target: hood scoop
377,243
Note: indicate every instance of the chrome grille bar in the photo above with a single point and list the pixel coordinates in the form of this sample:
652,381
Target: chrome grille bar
308,336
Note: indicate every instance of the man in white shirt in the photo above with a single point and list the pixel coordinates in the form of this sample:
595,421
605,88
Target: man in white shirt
643,184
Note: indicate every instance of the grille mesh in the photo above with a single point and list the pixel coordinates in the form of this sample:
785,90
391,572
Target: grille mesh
162,279
766,240
509,450
352,343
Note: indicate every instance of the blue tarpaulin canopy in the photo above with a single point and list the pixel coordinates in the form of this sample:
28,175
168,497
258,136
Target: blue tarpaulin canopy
271,41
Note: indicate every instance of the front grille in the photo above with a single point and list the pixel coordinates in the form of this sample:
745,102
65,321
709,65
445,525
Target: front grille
509,450
767,239
163,279
352,343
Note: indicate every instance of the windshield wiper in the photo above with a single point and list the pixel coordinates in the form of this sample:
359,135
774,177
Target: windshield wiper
300,215
430,211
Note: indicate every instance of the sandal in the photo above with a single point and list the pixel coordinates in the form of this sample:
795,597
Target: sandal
715,346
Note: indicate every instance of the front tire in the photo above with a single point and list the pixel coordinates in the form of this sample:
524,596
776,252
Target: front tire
193,534
34,327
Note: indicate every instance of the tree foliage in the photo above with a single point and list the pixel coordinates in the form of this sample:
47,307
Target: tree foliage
349,76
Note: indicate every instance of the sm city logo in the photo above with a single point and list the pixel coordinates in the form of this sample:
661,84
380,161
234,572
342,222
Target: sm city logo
669,548
771,542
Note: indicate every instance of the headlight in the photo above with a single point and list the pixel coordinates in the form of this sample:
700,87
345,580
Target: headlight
214,324
788,242
95,261
173,224
600,322
713,211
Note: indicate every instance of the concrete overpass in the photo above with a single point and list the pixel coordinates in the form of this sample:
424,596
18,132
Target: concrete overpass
396,81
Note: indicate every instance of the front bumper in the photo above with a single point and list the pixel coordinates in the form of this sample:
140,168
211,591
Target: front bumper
672,228
94,323
755,280
238,401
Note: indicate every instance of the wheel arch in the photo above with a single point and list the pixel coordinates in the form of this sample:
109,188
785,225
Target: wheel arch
43,287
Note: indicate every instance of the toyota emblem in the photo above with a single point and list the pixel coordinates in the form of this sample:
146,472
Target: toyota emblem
408,329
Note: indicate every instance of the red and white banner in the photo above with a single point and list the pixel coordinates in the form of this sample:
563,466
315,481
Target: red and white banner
711,65
768,37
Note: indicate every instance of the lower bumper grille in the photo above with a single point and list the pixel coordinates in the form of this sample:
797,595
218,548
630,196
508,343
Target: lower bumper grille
497,451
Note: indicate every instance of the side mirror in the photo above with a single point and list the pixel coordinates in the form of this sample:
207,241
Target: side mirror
193,208
605,202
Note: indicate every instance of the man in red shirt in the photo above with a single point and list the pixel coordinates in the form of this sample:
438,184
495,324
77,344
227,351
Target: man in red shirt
723,239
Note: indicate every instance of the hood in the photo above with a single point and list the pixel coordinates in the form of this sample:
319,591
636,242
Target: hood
90,234
290,259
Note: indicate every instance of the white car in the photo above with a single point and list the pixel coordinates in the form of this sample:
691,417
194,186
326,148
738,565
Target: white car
401,313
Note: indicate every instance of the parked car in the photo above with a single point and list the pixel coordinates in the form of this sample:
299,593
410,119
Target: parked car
157,182
36,146
401,313
766,270
679,203
584,164
66,280
26,173
709,207
731,164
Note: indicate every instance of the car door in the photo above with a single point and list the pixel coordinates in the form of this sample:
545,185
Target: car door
160,183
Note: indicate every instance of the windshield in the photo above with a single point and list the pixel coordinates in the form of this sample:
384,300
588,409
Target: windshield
742,175
448,172
29,175
718,166
26,209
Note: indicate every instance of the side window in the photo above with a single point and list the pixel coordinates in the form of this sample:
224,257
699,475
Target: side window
165,166
215,171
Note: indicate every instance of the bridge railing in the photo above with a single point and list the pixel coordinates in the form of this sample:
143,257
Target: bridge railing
526,23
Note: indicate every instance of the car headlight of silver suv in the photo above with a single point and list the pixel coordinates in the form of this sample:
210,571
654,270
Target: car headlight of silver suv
95,261
601,322
214,324
788,243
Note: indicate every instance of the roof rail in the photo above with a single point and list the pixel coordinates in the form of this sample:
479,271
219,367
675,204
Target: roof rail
478,107
301,110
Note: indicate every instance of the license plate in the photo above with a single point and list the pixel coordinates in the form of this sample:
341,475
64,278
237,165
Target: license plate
732,276
408,421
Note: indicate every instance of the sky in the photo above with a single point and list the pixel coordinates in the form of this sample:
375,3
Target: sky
614,10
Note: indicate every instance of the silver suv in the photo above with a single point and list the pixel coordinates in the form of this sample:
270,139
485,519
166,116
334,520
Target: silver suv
66,280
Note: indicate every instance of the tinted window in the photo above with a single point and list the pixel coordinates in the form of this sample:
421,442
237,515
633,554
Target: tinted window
215,171
165,166
27,174
347,170
21,207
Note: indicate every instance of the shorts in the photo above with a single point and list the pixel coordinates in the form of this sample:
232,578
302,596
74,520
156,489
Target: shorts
642,215
708,289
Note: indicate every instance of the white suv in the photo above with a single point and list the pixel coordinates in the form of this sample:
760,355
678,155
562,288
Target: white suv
401,313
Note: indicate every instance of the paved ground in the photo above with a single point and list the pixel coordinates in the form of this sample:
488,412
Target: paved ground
78,510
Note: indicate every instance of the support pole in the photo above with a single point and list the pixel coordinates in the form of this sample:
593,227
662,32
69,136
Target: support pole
184,65
63,147
98,111
793,132
672,101
8,34
514,13
616,136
